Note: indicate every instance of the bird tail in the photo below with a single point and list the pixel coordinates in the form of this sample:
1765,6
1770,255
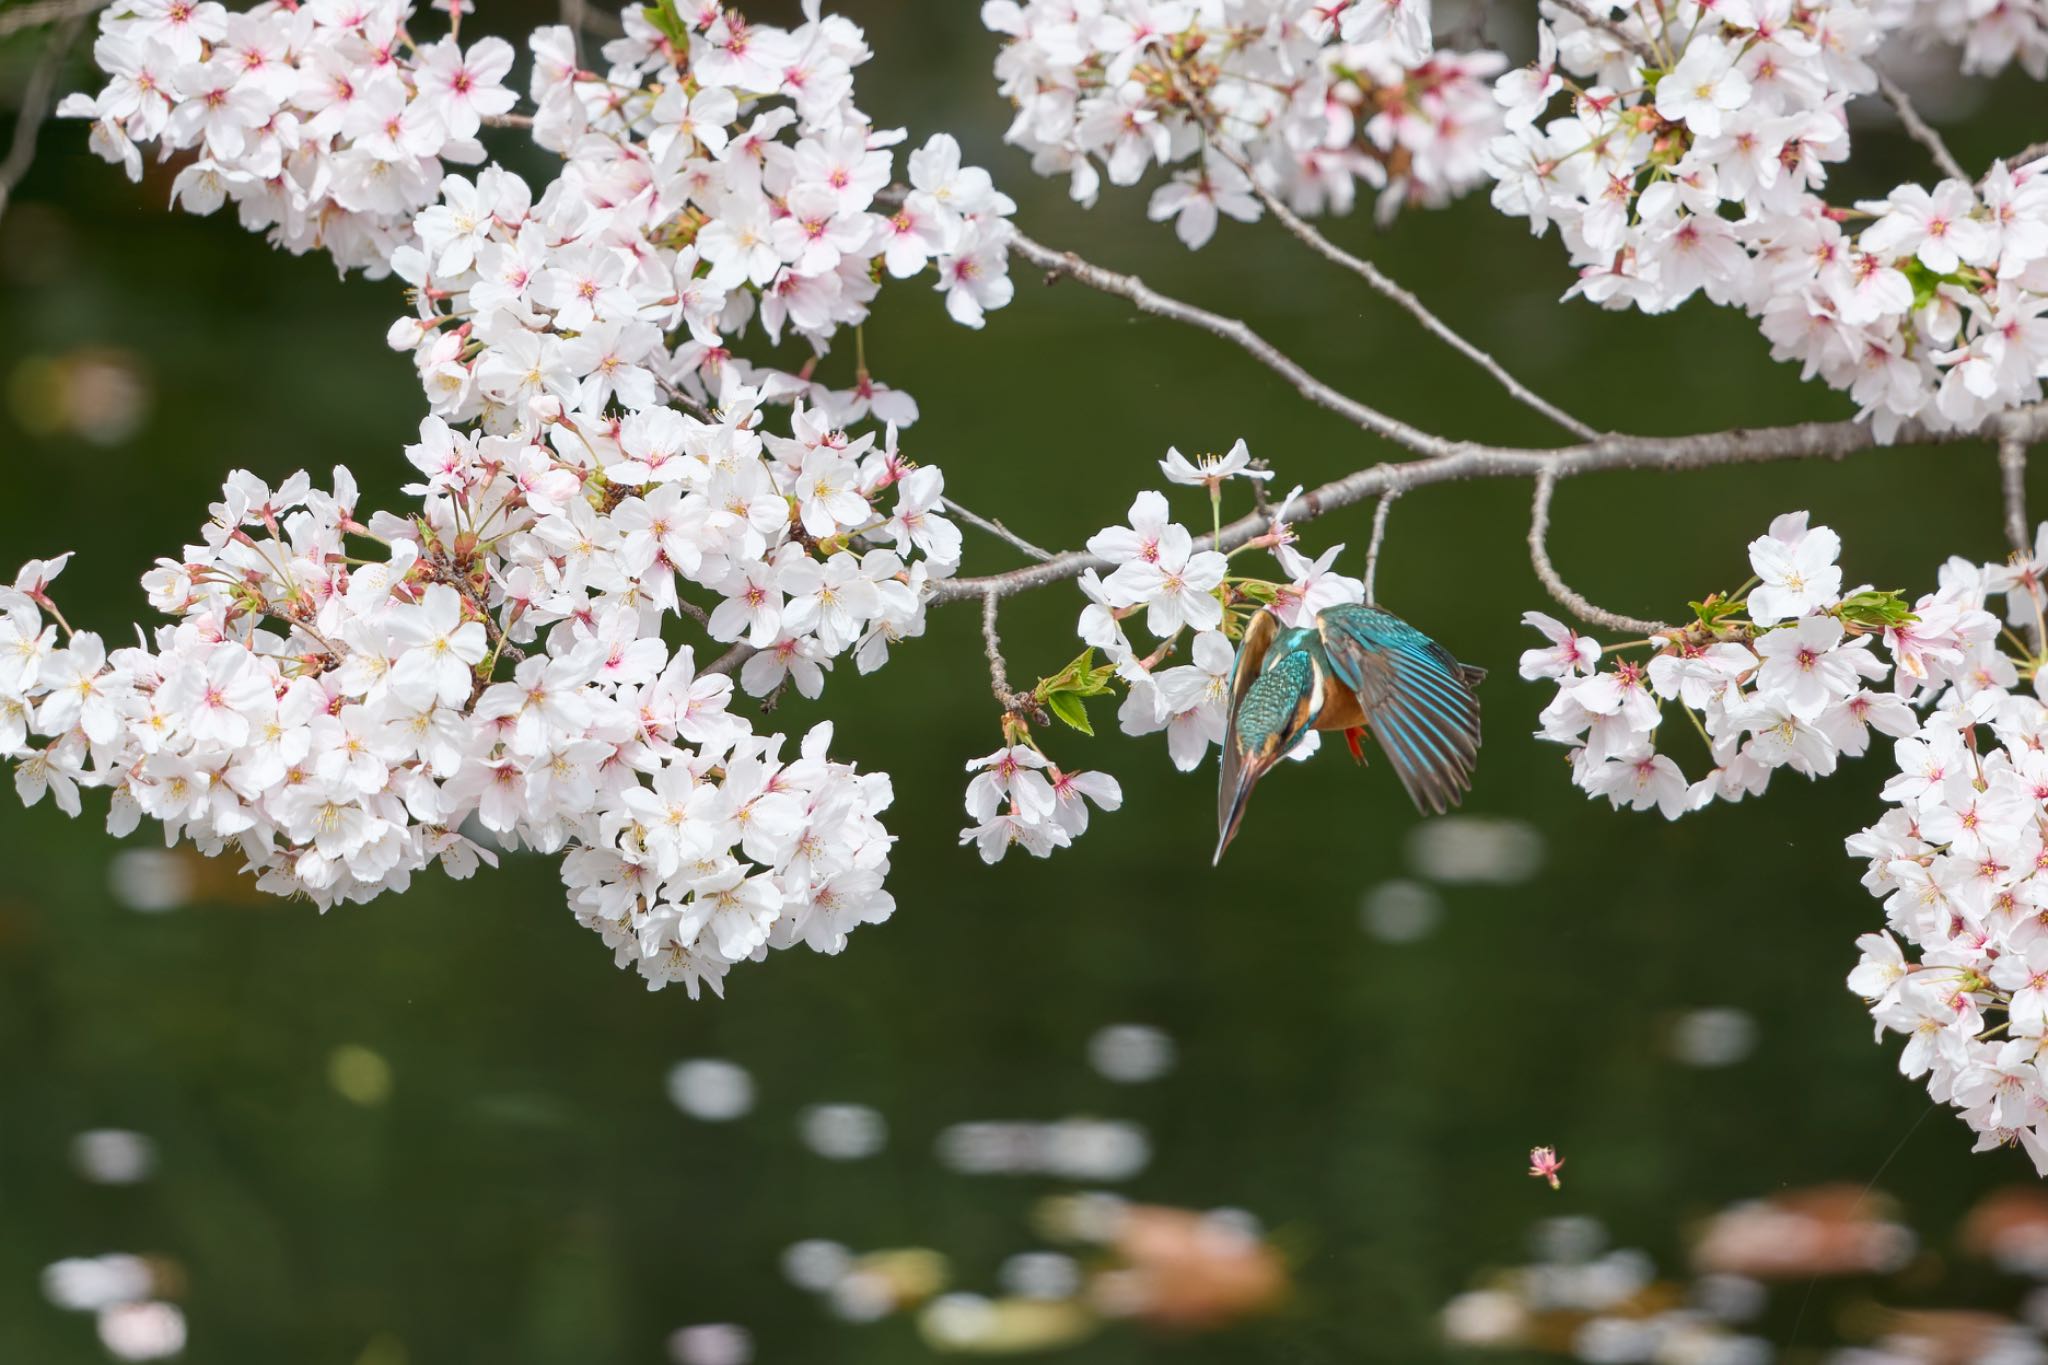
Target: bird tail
1471,674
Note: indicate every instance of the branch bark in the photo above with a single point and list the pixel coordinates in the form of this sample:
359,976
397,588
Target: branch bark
1150,300
1585,13
1380,281
995,528
36,100
1919,129
15,20
1464,460
1553,583
1372,549
2012,470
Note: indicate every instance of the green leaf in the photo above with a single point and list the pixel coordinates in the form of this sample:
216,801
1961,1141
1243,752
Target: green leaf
1068,708
662,14
1873,610
1925,281
1715,609
1081,677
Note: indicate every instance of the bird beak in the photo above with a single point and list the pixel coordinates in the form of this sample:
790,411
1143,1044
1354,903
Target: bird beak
1247,778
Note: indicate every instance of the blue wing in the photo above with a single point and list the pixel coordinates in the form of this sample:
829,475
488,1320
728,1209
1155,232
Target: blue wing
1416,698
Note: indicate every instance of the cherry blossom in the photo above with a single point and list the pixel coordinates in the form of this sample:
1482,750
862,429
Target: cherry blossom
1710,175
1307,108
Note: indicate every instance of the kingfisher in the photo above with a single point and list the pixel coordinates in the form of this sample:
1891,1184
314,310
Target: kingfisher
1358,668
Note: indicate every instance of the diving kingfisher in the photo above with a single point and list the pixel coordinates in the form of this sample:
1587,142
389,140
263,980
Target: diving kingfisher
1357,669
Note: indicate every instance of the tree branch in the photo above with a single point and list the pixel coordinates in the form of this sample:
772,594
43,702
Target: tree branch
2031,152
1554,584
1919,129
15,20
730,661
1465,460
1379,534
998,673
574,14
995,528
1150,300
1381,283
2012,469
35,102
1586,15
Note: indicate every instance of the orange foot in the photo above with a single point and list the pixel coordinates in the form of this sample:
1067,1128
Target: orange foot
1351,737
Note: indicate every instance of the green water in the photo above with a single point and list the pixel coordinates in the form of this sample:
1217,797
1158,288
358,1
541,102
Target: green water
526,1192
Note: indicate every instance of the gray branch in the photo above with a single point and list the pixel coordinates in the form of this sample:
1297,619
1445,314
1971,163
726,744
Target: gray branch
1919,129
1459,461
36,99
1379,535
995,528
998,673
2012,471
1586,14
1380,281
20,17
1150,300
1553,583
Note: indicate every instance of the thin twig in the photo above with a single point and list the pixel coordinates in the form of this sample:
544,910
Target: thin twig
1573,601
1919,129
603,23
574,13
1150,300
684,401
1260,503
1586,14
1378,279
508,120
1372,549
995,528
1414,306
20,17
730,661
1472,33
35,104
2031,152
1462,461
2012,469
998,674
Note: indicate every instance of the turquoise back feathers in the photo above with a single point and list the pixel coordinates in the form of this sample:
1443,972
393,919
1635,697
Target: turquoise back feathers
1357,669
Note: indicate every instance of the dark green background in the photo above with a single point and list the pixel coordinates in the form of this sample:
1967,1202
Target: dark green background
529,1195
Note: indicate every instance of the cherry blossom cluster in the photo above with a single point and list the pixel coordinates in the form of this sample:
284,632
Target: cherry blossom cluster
597,467
715,176
714,172
337,719
1992,37
326,123
1783,675
1961,864
1786,675
1310,97
1017,797
1700,169
1186,597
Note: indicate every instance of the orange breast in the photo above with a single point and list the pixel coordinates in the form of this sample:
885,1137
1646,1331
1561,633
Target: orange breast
1342,711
